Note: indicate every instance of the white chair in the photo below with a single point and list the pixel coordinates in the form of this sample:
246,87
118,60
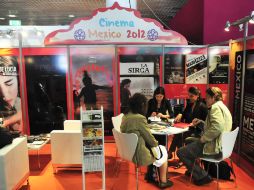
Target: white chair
14,164
66,146
228,141
117,120
126,144
72,125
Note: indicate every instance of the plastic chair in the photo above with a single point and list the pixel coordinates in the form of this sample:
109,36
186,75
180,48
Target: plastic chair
228,141
72,125
126,144
117,120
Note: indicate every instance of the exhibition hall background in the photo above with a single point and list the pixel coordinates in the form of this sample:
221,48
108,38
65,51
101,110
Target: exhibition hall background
50,79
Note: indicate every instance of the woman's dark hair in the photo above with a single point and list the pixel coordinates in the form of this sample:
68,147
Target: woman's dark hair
194,90
159,90
124,82
215,92
138,104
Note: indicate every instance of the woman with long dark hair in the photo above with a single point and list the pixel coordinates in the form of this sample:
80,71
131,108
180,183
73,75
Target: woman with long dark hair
10,103
195,108
160,107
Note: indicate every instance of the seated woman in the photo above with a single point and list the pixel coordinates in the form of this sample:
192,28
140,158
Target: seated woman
218,120
135,122
160,107
195,108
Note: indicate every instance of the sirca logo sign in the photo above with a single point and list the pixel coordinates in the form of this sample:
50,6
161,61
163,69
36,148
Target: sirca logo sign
139,70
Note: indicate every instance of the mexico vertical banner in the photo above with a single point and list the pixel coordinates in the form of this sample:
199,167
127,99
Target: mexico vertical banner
236,61
237,88
247,140
246,148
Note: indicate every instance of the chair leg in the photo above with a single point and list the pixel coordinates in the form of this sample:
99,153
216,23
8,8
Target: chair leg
136,177
116,164
217,166
116,152
231,163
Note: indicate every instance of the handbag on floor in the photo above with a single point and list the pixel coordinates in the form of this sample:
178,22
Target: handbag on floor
151,174
225,170
5,137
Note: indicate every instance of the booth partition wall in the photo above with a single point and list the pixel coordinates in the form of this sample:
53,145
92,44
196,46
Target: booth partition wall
53,80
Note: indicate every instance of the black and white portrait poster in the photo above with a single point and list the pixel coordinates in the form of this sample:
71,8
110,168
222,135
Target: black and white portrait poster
140,76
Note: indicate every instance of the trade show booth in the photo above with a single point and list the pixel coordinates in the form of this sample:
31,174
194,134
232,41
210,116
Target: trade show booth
116,44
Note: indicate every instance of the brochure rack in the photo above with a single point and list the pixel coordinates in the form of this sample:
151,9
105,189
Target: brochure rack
92,129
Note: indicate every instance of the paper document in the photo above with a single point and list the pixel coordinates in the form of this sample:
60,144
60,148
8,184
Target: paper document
37,142
154,118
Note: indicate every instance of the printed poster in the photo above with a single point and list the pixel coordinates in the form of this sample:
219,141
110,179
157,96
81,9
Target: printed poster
247,140
136,77
10,101
46,89
174,69
138,74
218,69
237,88
196,69
92,85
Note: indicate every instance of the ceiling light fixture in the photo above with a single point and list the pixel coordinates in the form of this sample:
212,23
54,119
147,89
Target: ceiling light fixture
71,16
241,22
12,16
227,26
2,18
240,27
252,18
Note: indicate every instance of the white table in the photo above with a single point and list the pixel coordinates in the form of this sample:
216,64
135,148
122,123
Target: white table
37,146
169,131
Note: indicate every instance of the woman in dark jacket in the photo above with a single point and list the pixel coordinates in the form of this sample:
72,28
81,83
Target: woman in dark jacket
160,107
195,108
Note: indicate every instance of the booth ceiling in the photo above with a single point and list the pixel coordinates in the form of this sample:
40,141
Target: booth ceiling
56,12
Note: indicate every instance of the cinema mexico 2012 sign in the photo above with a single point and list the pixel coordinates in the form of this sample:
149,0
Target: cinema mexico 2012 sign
115,25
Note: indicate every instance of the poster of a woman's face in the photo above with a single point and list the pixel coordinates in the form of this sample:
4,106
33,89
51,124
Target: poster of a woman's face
10,105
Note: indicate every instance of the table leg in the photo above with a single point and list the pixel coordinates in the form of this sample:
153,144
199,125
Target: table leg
38,159
166,139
